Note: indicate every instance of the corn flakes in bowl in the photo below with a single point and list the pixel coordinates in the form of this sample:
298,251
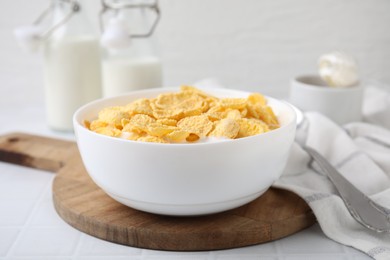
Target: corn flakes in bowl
185,151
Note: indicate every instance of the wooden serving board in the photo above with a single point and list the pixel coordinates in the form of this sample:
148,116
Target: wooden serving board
276,214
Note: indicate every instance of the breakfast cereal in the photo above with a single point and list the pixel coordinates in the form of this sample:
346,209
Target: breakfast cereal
187,116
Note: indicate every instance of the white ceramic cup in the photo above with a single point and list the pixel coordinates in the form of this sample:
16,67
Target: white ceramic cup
342,105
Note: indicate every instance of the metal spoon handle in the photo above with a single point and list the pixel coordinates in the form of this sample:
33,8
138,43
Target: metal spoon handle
362,208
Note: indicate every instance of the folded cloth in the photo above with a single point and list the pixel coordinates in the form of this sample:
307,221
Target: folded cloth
361,152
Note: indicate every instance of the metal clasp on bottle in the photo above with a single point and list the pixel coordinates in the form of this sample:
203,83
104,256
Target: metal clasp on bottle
30,37
75,7
116,6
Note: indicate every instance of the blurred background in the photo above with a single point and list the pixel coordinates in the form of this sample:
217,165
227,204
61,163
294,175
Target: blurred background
252,45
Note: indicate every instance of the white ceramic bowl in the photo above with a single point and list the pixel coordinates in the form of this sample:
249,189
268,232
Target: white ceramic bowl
184,179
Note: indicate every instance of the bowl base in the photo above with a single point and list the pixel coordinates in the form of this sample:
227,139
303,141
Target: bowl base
186,210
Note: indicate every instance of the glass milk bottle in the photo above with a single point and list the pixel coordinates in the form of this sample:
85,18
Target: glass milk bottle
71,64
130,58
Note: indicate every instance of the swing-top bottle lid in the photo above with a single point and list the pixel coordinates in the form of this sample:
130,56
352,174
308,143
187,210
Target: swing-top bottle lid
30,37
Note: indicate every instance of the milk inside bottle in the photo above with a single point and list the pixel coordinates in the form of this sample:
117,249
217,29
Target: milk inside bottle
72,77
121,75
130,61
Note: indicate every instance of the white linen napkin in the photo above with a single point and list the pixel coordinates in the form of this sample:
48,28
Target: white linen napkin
361,152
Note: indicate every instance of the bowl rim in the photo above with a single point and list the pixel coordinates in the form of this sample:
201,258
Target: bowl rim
79,125
300,81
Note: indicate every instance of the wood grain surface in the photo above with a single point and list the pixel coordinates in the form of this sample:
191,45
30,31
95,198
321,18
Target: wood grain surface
276,214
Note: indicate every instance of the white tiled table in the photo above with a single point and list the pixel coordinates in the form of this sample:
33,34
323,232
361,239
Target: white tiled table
30,229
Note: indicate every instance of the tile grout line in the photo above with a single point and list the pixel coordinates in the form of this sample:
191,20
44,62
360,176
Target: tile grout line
29,219
78,245
278,249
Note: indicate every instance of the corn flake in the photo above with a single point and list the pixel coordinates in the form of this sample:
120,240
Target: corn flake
174,114
96,124
159,130
257,98
140,106
177,136
141,120
109,131
151,139
113,116
138,123
227,127
251,126
233,103
167,121
199,125
192,138
233,114
87,124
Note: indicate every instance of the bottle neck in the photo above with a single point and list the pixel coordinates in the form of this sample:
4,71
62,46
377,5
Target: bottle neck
73,18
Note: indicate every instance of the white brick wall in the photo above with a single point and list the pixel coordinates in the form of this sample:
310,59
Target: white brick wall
252,44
